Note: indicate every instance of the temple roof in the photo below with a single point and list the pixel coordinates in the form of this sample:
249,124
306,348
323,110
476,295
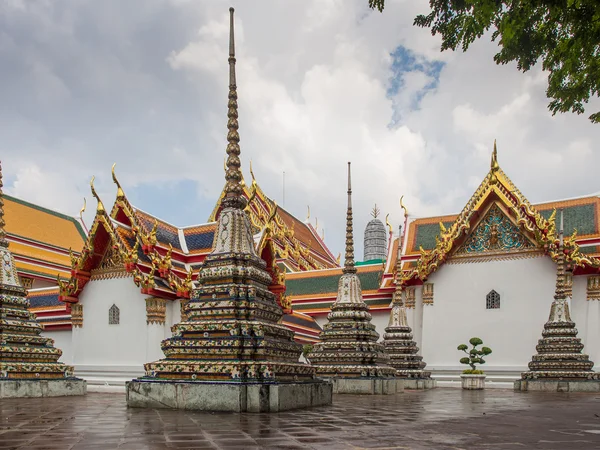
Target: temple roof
40,238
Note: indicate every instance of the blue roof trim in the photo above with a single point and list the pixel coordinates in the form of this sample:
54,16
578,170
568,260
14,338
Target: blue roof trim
199,241
44,300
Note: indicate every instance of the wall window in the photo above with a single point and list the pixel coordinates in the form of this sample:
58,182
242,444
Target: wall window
492,300
113,315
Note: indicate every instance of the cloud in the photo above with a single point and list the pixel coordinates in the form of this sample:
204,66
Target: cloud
320,83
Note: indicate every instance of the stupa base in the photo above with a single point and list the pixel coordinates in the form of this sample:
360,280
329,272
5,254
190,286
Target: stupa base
227,397
553,385
42,388
418,383
367,386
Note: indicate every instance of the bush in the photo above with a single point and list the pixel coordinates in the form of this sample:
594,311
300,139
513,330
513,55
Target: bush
474,356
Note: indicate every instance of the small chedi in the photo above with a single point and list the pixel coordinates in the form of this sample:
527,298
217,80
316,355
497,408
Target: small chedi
402,349
349,353
29,364
231,353
559,364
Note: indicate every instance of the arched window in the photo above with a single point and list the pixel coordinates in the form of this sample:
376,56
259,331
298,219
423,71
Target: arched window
113,315
492,300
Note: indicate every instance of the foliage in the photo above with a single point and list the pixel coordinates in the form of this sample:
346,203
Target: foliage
475,355
306,349
563,34
472,372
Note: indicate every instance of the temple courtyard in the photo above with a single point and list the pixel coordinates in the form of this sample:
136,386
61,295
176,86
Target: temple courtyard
439,418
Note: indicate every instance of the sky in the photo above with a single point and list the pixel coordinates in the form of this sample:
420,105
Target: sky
143,84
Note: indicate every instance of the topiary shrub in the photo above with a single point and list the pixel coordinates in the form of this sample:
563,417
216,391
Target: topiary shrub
475,356
306,350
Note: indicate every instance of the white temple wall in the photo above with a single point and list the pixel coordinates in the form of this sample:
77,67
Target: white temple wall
586,314
526,288
104,353
62,341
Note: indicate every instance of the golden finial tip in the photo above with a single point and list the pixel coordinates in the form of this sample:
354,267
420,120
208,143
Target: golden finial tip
494,163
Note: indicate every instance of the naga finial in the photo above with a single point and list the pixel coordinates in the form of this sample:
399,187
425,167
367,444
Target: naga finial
82,210
120,193
403,207
3,240
387,222
375,211
100,207
349,260
252,172
307,213
233,175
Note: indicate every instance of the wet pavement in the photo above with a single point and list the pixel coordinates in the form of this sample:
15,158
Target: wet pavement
439,419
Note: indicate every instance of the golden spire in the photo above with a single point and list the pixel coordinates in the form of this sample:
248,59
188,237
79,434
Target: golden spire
233,175
349,262
494,165
375,212
120,193
100,207
3,240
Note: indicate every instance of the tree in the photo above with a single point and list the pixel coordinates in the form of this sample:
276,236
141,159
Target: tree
475,356
563,34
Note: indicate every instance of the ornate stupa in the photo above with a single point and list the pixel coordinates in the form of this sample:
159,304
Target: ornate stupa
402,350
231,353
375,238
349,353
559,364
29,364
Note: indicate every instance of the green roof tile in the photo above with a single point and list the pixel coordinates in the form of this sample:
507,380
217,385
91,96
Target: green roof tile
426,233
329,284
581,218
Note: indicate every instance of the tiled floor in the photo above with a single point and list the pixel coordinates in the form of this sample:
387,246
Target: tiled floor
439,419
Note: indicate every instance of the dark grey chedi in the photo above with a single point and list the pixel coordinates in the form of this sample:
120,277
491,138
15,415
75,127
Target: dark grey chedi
231,353
349,349
29,364
560,364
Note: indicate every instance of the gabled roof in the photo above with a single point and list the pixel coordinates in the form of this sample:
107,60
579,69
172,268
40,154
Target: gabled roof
40,238
431,241
298,245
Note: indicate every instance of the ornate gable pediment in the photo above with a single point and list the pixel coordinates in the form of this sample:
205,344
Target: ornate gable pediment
111,266
495,234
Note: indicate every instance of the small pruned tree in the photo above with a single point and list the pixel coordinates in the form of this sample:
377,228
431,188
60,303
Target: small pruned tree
306,350
475,355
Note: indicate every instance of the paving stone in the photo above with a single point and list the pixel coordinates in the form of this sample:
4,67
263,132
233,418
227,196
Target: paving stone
438,418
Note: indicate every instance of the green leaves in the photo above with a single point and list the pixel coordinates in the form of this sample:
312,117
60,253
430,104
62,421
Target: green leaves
563,34
474,354
474,341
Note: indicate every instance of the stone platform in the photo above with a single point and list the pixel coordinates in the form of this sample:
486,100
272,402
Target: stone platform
367,386
42,388
557,385
418,383
227,397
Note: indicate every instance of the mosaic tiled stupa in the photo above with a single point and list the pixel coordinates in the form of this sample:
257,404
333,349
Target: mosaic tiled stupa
559,364
349,353
29,364
402,349
231,353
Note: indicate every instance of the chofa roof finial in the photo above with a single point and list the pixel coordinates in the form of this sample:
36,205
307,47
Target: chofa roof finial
494,163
